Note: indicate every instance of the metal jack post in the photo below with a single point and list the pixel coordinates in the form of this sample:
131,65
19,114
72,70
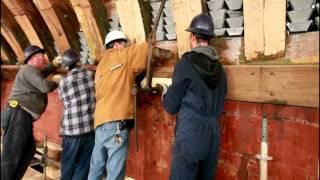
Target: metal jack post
263,156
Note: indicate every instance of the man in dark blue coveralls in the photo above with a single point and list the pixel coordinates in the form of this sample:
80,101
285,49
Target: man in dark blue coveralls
197,95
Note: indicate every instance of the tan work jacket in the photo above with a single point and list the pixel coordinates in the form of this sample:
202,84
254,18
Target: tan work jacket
115,76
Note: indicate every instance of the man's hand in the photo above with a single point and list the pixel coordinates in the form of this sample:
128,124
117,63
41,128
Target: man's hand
161,53
56,78
57,61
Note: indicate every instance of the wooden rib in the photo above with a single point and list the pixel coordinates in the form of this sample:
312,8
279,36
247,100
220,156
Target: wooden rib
23,22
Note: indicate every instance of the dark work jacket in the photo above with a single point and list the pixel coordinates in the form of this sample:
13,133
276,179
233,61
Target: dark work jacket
197,96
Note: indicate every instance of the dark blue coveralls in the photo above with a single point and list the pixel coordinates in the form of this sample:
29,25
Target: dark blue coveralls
197,95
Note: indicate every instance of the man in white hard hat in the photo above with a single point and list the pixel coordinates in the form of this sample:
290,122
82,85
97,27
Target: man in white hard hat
115,76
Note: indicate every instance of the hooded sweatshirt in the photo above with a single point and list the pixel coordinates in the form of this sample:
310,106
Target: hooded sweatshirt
198,85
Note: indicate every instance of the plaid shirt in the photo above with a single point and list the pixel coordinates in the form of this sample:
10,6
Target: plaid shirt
77,92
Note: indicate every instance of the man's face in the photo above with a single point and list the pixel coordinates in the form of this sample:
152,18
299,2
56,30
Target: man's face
120,45
38,60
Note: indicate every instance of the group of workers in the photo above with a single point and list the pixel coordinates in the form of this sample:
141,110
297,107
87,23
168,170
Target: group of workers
98,108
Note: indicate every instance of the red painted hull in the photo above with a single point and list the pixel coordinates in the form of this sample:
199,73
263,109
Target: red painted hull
293,138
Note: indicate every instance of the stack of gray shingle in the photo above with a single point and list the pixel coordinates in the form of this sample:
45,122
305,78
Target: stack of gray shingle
235,17
218,15
84,52
227,17
299,15
114,22
160,34
316,18
169,26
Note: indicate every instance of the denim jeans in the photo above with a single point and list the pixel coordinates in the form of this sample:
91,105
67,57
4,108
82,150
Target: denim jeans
108,153
76,155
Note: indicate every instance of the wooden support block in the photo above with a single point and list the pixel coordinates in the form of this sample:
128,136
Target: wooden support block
274,27
7,34
183,12
253,28
131,20
49,15
89,27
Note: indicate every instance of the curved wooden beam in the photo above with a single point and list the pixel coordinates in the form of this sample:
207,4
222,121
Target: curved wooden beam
32,23
23,21
89,26
50,17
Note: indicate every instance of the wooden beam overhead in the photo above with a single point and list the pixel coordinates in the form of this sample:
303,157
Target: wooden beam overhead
131,20
49,15
88,24
7,34
183,12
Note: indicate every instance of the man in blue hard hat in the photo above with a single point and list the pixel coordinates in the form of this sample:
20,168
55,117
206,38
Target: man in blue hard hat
27,101
197,96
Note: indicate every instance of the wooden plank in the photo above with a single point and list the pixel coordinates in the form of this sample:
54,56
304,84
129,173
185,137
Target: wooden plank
131,20
7,34
183,12
89,27
49,15
296,85
253,28
274,27
282,84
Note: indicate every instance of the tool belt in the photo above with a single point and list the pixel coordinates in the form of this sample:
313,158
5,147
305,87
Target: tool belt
13,103
126,124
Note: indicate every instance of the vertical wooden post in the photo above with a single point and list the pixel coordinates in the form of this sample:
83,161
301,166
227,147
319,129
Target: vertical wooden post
183,12
264,28
89,27
274,27
131,20
253,28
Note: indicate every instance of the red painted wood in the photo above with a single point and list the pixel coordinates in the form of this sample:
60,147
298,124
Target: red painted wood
293,137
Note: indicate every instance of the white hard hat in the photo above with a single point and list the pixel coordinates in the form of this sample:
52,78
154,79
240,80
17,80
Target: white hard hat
114,35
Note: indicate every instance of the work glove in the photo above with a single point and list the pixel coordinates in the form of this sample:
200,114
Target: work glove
161,53
57,61
56,78
164,88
